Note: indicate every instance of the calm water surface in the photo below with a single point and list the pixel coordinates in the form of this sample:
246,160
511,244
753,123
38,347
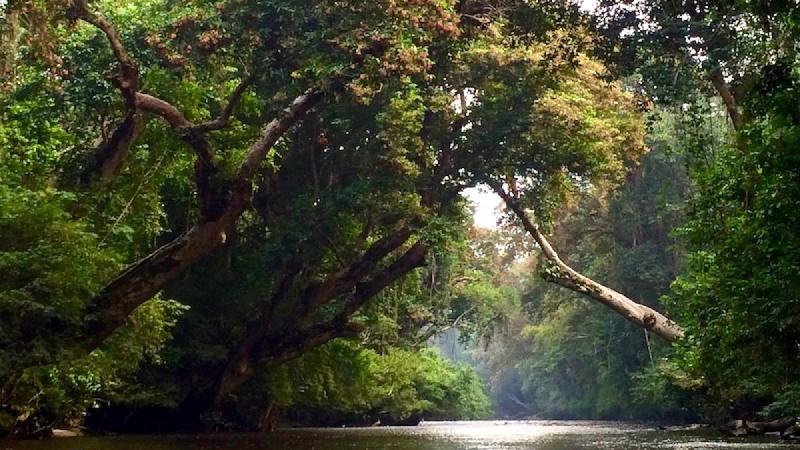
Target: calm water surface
494,435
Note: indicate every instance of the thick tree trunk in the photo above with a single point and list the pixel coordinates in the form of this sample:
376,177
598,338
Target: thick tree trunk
228,374
568,277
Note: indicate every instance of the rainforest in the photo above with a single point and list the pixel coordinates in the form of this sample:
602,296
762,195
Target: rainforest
243,215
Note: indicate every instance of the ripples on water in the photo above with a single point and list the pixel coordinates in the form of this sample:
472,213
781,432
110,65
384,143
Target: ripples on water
485,435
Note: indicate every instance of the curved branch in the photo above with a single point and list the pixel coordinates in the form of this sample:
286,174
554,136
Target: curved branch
568,277
128,78
111,155
162,108
109,309
413,257
224,117
210,196
340,325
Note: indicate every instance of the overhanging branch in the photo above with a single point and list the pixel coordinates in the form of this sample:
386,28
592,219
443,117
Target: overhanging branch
722,88
568,277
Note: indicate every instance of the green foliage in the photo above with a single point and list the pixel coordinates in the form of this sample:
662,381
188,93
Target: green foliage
666,391
57,251
51,264
400,127
41,287
61,395
548,117
343,382
738,296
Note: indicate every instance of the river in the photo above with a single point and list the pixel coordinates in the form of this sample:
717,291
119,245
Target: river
494,435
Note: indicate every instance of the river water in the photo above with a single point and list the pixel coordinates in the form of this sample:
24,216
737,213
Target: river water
483,435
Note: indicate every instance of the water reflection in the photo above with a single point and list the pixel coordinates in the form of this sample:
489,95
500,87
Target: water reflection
487,435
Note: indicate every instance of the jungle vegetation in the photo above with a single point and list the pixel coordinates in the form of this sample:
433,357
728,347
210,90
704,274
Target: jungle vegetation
223,214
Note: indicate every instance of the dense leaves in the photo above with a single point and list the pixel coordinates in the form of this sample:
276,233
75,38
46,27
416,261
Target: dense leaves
740,291
157,133
395,387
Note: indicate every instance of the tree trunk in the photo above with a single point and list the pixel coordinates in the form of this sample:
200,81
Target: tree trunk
9,41
718,81
568,277
267,420
236,368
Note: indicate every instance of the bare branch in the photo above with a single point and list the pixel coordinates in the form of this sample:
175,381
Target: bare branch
568,277
128,78
169,112
345,280
224,117
312,338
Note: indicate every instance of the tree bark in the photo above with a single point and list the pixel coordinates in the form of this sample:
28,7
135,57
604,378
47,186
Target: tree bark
212,385
111,155
718,81
568,277
9,43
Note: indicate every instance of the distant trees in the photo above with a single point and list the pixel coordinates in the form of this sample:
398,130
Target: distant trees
723,77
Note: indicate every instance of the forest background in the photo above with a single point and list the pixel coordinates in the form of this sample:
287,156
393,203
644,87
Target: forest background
219,215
